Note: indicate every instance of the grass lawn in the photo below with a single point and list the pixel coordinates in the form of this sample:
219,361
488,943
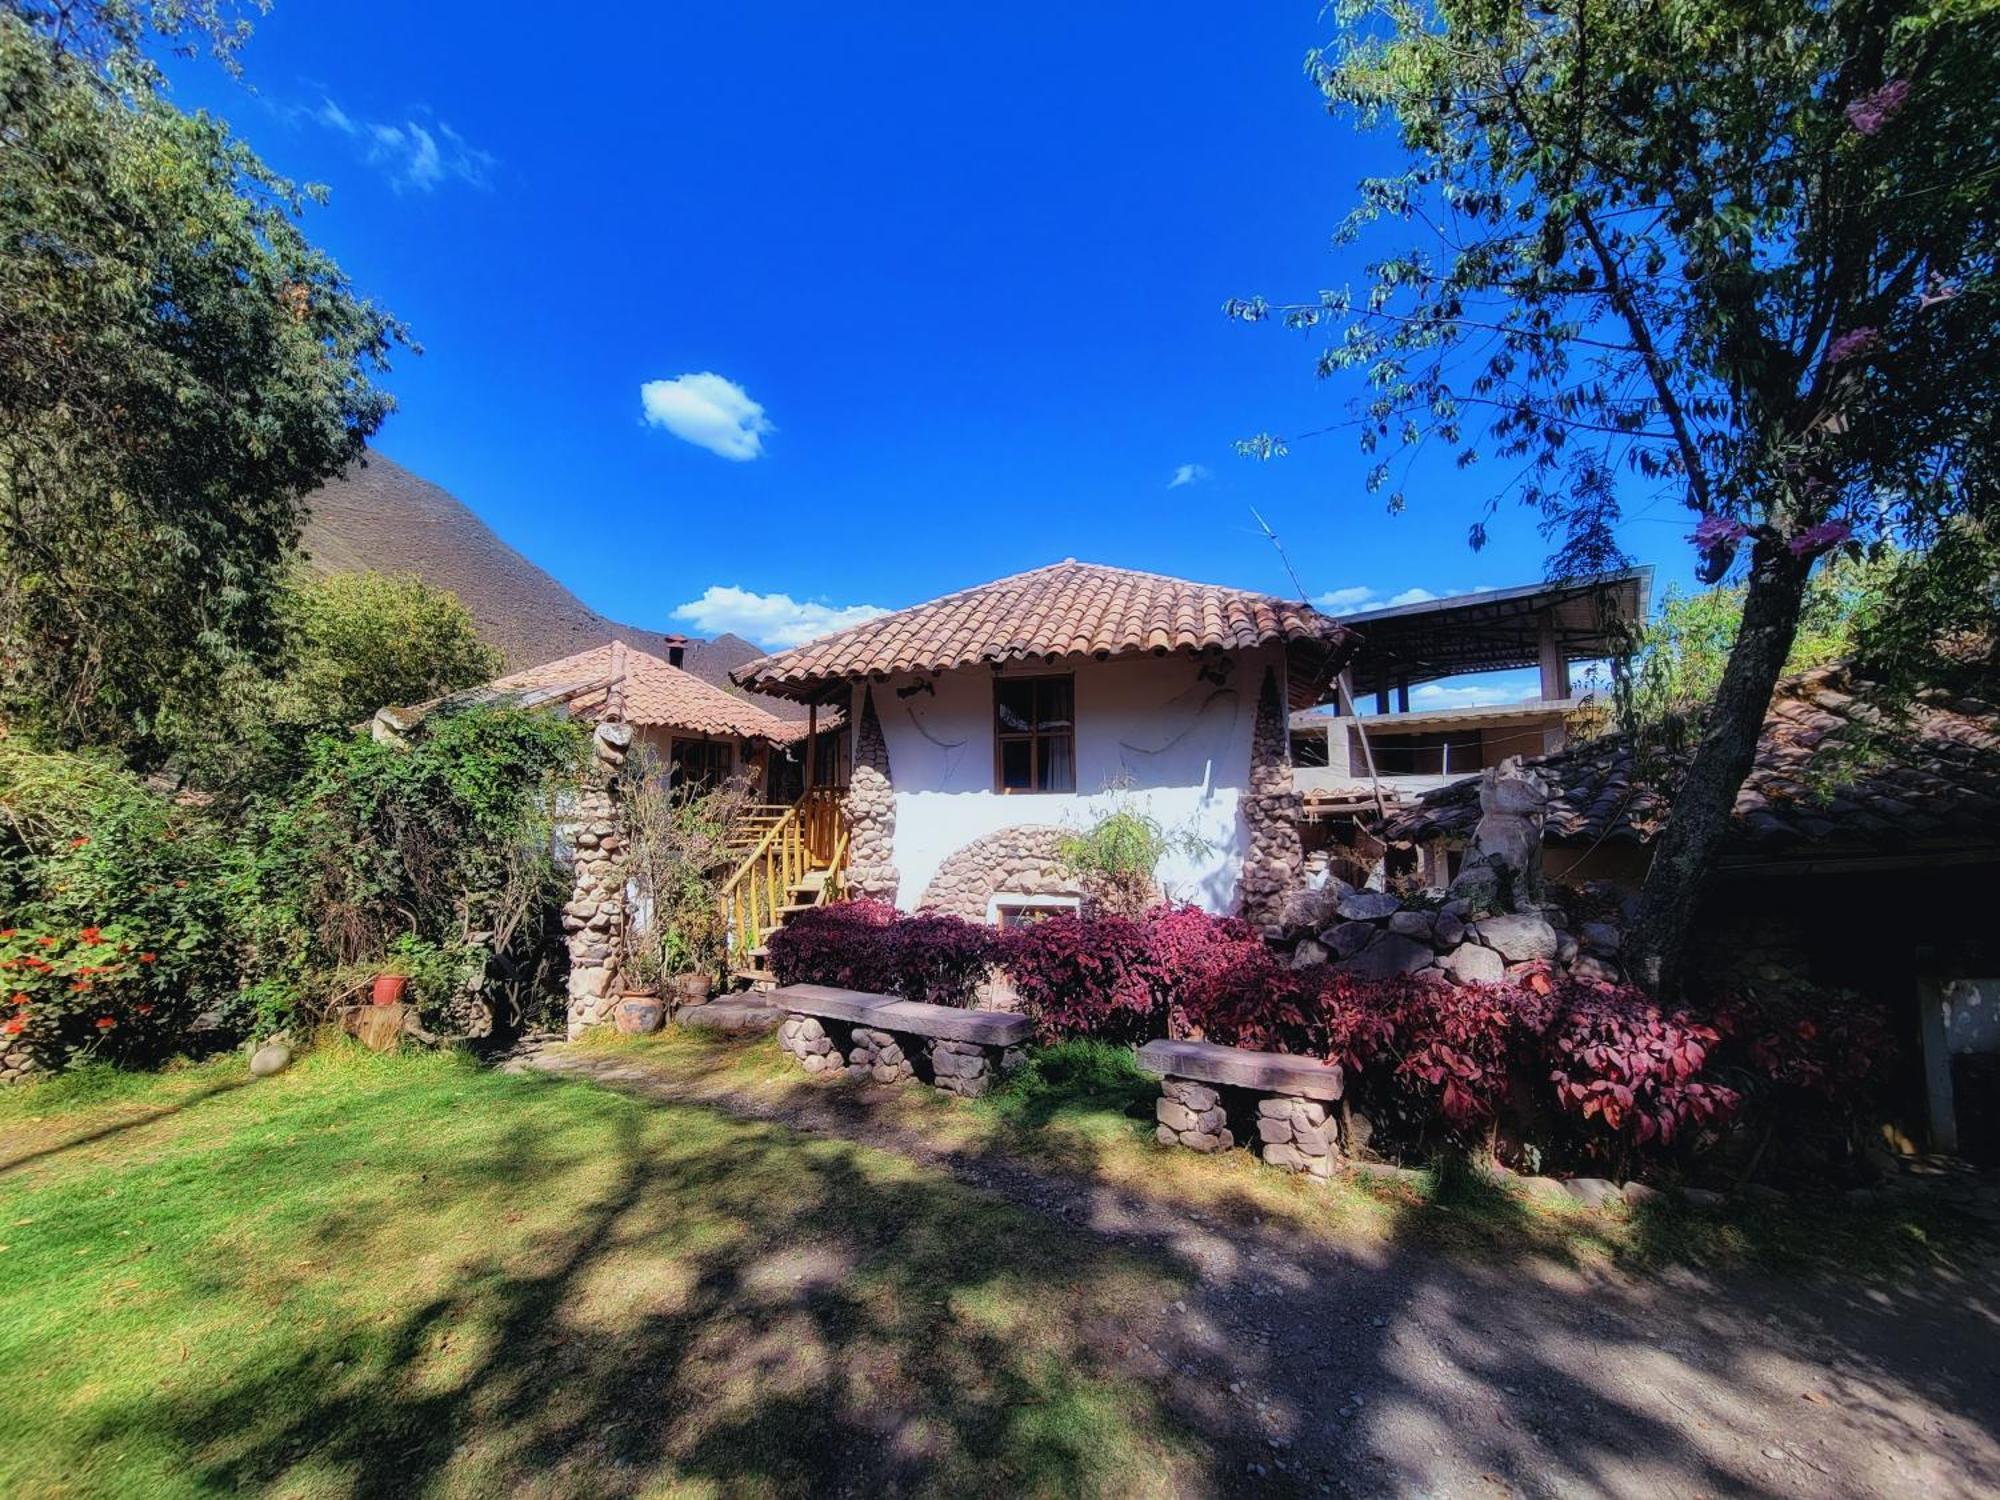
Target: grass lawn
1084,1108
406,1275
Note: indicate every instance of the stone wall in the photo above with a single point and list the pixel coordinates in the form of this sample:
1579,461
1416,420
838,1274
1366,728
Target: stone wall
1495,919
870,807
1271,809
595,915
19,1061
1024,860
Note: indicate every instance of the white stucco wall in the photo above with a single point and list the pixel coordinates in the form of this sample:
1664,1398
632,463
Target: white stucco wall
1181,742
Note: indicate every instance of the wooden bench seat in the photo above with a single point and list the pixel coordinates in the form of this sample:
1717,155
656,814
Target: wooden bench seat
963,1050
1292,1124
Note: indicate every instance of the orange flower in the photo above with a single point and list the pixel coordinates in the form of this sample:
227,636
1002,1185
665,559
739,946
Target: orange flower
78,843
144,1007
105,1023
146,958
20,999
7,932
81,984
15,1027
90,934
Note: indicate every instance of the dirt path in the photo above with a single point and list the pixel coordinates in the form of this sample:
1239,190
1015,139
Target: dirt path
1315,1368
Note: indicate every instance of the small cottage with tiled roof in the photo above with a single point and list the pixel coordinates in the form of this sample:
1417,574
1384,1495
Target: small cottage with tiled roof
700,733
991,722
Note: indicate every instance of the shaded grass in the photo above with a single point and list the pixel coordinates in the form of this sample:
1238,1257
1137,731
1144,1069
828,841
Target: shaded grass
1084,1107
406,1275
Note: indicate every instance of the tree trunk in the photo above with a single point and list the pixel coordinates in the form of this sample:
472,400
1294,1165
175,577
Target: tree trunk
1703,808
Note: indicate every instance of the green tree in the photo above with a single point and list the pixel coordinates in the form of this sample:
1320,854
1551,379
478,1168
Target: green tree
1739,251
1684,652
356,642
179,366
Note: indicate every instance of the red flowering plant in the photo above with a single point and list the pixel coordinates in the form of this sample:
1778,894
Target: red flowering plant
1631,1073
845,944
86,991
1086,977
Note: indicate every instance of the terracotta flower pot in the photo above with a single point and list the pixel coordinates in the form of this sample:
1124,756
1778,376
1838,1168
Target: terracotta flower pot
692,987
388,989
639,1015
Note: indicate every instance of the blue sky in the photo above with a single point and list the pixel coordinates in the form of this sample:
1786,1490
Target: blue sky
948,280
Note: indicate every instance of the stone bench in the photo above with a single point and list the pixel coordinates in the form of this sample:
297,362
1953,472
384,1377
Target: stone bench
1294,1125
857,1034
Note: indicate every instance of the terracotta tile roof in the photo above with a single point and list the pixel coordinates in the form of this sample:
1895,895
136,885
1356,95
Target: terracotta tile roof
1067,609
1939,789
655,693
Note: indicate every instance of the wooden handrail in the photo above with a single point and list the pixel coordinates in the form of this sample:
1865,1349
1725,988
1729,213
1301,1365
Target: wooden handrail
804,839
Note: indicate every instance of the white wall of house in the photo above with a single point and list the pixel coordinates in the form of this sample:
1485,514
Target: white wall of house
1176,742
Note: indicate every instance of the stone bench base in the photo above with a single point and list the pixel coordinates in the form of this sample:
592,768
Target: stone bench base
1299,1135
855,1050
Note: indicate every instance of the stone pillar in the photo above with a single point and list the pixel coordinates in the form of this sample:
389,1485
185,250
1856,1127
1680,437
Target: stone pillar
595,916
1298,1135
1271,807
20,1060
870,806
878,1057
806,1038
969,1069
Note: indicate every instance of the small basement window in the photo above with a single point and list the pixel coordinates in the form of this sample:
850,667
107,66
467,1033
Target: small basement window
1034,733
1010,912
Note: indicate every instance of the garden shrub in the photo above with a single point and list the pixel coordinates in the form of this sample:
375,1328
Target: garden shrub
839,944
940,959
446,841
1086,977
869,945
1634,1069
117,904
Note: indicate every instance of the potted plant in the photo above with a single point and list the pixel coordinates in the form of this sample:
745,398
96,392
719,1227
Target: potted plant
390,980
639,1011
684,960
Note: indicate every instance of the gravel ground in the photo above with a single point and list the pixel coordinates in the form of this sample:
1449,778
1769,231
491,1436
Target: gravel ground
1315,1368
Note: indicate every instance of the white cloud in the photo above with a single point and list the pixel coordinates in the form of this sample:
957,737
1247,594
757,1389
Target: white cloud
1348,601
1341,601
411,154
1188,474
774,621
709,411
1500,689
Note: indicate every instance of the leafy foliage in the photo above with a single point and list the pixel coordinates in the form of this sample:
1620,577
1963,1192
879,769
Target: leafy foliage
1677,667
178,367
869,945
1086,977
1118,856
1738,253
446,840
357,642
104,868
678,855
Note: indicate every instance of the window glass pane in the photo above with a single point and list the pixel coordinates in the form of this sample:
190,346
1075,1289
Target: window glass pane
1014,702
1058,766
1014,766
1054,697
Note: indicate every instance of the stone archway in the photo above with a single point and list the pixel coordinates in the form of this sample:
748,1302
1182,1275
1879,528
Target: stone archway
1024,859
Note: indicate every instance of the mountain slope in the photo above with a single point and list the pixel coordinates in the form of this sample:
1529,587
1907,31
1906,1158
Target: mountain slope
381,517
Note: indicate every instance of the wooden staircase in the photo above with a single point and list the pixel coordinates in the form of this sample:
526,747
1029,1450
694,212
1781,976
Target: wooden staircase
793,860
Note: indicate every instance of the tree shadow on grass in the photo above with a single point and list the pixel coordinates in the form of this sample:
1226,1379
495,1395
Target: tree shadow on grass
741,1306
10,1164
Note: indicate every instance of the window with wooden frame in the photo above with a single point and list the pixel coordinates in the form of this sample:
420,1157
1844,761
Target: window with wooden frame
702,763
1034,734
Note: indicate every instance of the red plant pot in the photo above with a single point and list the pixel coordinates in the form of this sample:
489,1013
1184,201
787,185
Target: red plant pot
389,988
